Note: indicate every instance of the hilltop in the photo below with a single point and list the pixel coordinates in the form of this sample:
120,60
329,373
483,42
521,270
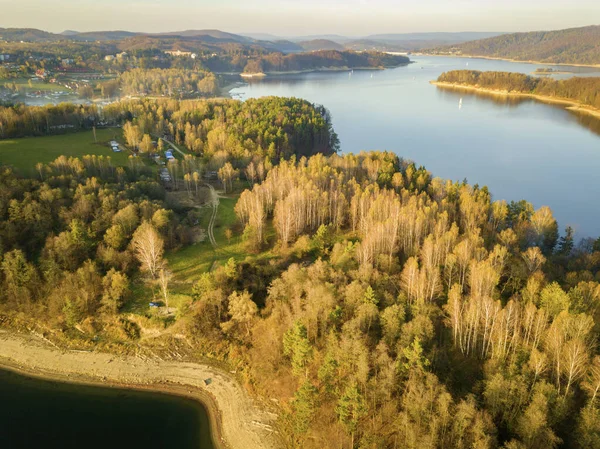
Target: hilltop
570,46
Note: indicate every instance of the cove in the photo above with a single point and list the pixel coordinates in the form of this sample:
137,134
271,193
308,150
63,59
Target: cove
37,413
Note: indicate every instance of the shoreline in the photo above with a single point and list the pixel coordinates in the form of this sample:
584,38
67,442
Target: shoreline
224,91
203,399
571,105
236,421
317,70
493,58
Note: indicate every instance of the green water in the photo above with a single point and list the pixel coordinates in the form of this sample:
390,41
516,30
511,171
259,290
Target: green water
36,414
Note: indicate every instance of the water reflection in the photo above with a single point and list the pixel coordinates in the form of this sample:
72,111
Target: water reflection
591,122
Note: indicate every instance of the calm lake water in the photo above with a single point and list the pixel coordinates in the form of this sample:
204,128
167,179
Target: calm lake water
36,414
520,149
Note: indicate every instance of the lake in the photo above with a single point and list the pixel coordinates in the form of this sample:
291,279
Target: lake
38,414
519,148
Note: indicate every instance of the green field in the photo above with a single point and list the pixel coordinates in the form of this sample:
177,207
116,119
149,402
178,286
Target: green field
190,262
23,85
23,154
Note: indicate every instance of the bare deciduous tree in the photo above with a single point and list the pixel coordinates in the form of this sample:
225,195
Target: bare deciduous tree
148,247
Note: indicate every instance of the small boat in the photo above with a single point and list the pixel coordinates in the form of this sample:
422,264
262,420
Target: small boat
460,104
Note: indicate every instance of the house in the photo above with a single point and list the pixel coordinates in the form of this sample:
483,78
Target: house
4,57
122,55
109,57
179,53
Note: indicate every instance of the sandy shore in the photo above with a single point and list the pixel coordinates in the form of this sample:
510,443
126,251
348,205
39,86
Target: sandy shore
237,421
570,104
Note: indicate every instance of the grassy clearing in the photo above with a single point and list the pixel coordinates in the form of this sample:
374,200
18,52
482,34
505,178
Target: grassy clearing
25,153
23,85
187,264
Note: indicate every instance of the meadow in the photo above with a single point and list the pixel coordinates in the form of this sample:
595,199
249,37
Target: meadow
23,154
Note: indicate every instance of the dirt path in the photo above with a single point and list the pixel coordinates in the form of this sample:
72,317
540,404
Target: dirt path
214,201
238,422
172,145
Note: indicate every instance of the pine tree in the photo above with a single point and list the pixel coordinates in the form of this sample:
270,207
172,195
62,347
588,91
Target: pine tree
350,409
297,347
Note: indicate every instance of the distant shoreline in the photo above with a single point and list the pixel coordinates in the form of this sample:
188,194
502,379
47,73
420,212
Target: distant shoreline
317,70
492,58
571,105
236,421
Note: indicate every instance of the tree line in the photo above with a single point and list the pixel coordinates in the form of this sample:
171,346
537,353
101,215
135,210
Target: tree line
279,62
582,90
168,82
224,130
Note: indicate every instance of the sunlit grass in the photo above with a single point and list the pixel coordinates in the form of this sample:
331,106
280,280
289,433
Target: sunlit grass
23,154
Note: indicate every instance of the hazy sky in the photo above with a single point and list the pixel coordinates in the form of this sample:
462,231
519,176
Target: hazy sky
300,17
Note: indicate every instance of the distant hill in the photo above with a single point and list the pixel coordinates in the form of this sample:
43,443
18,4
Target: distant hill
69,33
102,35
571,46
263,37
281,45
382,42
451,38
216,35
330,37
320,44
29,35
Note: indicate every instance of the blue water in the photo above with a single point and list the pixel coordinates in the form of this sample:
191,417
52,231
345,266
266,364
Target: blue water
520,149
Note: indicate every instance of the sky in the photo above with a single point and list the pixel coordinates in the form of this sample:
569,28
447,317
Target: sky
300,17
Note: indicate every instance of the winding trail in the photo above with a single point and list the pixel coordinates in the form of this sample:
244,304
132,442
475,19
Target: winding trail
237,421
214,199
214,202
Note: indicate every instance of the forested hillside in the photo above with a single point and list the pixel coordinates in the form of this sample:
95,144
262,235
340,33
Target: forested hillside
378,306
277,62
571,46
581,90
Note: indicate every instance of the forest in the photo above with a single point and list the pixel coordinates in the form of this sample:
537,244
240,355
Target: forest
278,62
579,89
221,130
378,305
168,82
571,46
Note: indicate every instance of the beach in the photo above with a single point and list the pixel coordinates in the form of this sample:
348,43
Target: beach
237,420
